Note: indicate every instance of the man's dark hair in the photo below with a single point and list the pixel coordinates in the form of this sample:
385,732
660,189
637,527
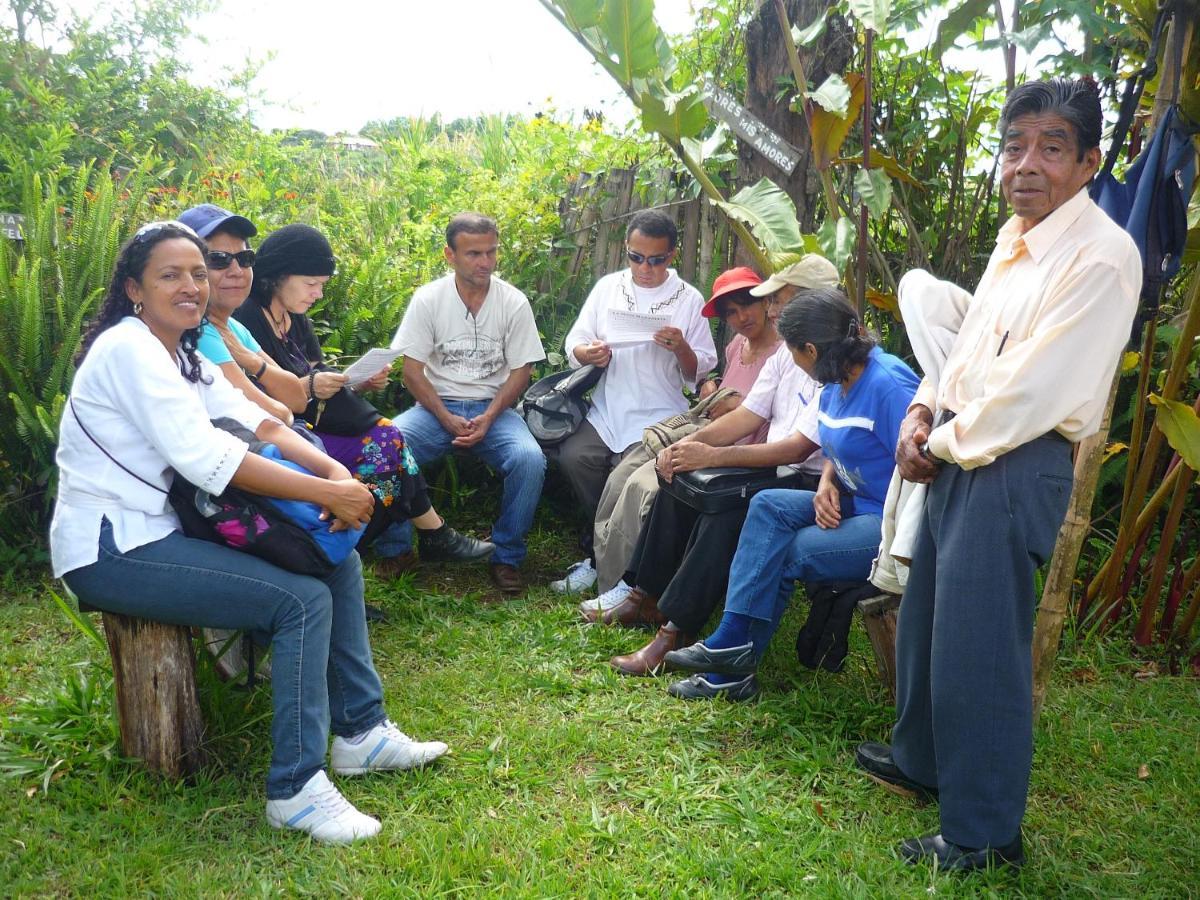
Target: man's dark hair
469,223
823,317
1076,100
654,224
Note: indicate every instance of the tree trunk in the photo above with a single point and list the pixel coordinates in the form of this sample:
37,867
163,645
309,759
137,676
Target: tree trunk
154,670
766,64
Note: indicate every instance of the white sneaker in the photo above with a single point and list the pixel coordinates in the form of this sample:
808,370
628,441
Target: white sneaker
385,747
580,577
607,600
323,812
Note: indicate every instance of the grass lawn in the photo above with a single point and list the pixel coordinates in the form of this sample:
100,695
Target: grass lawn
568,780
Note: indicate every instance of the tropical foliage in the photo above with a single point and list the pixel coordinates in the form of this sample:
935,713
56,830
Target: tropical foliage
84,158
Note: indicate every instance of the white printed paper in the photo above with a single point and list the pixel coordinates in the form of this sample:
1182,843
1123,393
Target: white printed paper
626,328
369,365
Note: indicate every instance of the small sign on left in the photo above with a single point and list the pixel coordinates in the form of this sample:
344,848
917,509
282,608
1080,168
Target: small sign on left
10,226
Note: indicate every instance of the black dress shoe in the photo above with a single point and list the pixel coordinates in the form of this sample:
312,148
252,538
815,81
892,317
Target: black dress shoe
876,760
444,544
697,687
954,858
698,658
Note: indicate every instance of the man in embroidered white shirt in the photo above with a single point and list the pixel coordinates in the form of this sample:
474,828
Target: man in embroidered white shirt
1026,378
644,379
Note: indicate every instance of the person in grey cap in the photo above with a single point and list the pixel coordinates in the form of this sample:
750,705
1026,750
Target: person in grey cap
292,267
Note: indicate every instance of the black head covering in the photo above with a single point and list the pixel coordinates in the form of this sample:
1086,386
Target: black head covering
292,250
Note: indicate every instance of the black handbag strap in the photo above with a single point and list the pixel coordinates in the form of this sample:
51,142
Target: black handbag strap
122,466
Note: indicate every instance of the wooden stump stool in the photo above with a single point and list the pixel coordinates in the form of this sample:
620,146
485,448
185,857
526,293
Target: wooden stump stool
879,619
154,671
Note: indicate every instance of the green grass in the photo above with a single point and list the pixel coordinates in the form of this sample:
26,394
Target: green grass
568,780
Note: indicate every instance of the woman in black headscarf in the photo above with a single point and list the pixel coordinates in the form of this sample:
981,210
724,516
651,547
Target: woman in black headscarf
290,272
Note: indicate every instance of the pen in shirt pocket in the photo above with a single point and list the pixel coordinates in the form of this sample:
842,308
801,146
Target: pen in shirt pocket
1003,341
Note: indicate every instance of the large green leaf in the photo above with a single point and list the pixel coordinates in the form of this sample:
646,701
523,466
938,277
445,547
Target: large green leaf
673,115
872,13
829,130
770,213
833,95
837,241
1179,423
633,37
804,37
582,13
961,18
885,162
875,189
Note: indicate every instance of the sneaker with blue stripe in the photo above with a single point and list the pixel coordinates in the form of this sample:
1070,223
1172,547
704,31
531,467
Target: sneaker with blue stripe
320,810
384,748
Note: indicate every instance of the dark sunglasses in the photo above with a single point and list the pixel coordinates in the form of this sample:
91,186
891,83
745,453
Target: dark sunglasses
637,259
219,259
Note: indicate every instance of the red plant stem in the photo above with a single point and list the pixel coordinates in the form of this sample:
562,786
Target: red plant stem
1144,632
1171,609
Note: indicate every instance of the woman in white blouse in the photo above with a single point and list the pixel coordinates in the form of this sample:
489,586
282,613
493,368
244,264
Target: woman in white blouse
140,410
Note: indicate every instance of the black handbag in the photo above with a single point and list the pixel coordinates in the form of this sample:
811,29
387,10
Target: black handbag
554,407
731,487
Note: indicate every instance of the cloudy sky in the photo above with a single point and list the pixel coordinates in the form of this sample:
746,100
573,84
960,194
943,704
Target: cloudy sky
337,65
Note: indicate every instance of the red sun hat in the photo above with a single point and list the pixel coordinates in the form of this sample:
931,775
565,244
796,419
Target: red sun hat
727,283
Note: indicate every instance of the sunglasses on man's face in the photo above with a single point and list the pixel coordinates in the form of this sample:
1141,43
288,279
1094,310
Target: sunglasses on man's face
637,258
219,259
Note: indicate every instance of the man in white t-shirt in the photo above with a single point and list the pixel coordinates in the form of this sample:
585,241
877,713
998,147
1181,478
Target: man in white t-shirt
644,379
469,343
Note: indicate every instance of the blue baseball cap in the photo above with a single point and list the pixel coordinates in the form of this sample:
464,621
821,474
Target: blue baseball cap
208,217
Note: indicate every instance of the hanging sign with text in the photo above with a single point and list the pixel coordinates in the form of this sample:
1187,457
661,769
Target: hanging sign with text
10,226
750,129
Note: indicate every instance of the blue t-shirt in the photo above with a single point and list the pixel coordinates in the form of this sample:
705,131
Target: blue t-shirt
859,429
214,349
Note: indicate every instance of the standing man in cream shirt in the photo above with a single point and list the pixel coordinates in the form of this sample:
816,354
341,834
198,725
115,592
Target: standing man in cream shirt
1026,379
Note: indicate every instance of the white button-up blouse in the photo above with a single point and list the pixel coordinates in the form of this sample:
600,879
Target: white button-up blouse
133,400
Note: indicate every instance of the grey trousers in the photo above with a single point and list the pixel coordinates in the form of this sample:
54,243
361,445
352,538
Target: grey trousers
628,495
964,681
586,461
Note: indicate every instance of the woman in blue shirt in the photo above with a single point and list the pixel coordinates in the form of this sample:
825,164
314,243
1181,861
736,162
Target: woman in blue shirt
830,535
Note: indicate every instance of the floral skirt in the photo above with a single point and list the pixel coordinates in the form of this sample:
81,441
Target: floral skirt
381,460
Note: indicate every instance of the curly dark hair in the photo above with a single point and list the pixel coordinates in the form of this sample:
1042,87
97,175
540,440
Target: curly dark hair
116,305
823,317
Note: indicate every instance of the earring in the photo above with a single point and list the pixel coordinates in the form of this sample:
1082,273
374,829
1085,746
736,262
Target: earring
137,308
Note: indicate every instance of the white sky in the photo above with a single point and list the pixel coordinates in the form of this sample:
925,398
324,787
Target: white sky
334,66
338,65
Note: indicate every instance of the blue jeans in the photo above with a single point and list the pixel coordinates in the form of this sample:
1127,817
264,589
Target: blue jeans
508,447
321,667
781,544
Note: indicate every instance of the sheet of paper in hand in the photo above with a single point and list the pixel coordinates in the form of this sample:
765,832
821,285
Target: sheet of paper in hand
627,328
369,365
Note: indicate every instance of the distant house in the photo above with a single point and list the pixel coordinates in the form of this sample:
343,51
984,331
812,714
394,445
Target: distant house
353,142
